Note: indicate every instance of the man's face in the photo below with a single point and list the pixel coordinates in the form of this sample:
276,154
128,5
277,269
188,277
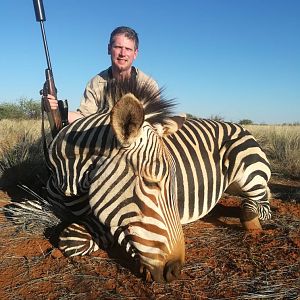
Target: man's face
122,52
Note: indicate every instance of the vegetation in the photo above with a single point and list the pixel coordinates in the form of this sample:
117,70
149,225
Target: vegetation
21,152
246,122
218,118
282,146
23,109
191,116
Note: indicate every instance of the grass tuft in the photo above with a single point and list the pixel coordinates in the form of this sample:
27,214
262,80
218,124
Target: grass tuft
21,153
282,146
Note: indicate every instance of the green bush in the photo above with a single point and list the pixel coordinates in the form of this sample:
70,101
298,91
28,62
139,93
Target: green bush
245,122
23,109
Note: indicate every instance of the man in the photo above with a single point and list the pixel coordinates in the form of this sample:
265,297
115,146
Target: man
123,50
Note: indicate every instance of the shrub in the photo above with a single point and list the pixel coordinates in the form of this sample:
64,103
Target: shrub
217,118
190,116
23,109
245,122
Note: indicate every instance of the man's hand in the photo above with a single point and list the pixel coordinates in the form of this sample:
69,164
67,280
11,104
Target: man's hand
52,101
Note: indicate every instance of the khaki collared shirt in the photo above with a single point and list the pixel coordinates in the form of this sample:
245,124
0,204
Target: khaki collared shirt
93,97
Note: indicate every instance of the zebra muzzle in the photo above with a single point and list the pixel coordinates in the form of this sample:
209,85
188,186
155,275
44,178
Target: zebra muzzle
171,271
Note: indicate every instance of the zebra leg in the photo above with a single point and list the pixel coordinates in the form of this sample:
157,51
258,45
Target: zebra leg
76,240
255,207
249,218
83,239
255,203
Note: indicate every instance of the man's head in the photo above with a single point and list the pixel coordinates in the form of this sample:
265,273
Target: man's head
127,32
123,49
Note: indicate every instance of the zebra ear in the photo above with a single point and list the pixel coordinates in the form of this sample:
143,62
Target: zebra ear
126,119
172,124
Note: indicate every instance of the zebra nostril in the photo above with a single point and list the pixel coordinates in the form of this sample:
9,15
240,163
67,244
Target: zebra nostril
172,270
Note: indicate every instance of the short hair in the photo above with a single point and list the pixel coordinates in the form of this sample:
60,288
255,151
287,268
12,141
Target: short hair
128,32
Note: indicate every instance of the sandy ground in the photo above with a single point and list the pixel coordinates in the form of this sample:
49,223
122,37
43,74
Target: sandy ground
222,261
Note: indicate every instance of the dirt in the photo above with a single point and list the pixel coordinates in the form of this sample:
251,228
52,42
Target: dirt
222,261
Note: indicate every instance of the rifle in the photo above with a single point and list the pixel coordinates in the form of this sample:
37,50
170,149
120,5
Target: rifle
58,118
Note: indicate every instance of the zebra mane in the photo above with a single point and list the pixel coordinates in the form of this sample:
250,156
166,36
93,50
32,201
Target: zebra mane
156,107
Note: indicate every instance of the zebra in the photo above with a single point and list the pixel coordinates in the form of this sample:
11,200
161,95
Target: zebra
133,173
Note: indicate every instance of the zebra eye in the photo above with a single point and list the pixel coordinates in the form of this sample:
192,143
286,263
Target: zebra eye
151,183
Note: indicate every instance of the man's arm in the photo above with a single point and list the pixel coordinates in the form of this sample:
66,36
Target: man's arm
74,115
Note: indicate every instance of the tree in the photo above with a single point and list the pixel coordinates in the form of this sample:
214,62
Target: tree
216,118
31,109
245,122
23,109
190,116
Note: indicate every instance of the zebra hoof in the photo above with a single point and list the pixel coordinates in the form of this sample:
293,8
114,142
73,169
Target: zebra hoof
250,221
76,240
253,226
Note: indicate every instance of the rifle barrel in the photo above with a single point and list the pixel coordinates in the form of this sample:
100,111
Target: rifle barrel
45,45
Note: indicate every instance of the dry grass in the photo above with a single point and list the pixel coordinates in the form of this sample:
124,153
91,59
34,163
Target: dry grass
282,146
11,131
21,152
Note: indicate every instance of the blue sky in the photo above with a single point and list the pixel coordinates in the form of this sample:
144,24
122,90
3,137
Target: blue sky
239,59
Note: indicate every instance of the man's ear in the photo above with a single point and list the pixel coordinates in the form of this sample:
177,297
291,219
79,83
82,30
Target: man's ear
109,49
136,51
